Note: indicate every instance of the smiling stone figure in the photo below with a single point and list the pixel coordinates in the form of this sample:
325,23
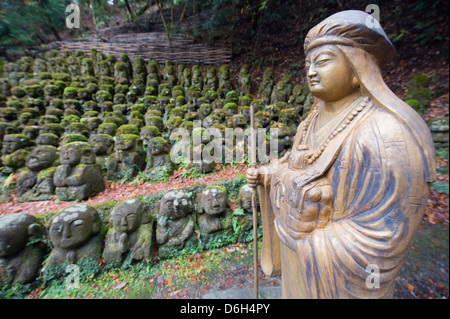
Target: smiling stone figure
131,237
74,234
175,220
78,176
212,208
37,182
21,252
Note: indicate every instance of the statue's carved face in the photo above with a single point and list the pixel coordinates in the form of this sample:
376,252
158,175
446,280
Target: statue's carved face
13,234
10,144
72,227
205,109
174,205
41,157
330,76
245,195
70,155
101,144
126,218
158,147
214,201
125,143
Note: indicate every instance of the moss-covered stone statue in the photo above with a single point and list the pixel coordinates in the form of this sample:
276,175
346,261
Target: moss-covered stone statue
170,75
211,82
78,176
175,223
15,150
185,79
131,235
213,209
21,248
128,158
87,67
197,78
103,146
224,81
147,133
159,163
245,81
266,86
280,92
121,74
36,183
75,236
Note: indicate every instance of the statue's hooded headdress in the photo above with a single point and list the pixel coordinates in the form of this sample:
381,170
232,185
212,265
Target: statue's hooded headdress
365,44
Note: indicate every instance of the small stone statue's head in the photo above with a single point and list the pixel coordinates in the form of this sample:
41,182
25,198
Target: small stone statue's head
174,205
47,139
76,153
205,109
159,146
74,226
107,128
245,198
281,85
128,142
16,231
147,133
214,200
127,217
14,142
42,157
102,144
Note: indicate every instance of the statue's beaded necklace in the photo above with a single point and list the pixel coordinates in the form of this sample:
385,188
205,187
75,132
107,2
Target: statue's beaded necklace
311,157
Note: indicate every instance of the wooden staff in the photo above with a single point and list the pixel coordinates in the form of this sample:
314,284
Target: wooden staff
254,202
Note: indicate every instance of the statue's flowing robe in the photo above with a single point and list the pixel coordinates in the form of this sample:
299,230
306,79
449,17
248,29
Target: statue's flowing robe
380,174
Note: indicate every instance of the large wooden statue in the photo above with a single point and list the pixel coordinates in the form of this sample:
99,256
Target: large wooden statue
345,204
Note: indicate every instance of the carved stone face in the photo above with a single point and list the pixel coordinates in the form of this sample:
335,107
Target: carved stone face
205,109
101,144
175,205
214,200
72,227
126,217
158,146
70,155
11,144
41,157
107,129
245,195
330,77
124,142
14,233
47,139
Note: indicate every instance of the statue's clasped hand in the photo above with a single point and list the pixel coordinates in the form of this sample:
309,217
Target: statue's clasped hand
314,212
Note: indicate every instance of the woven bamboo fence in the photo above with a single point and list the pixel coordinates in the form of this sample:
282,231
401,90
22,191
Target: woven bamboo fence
154,45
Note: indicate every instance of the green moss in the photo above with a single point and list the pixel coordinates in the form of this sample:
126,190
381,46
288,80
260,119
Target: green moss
416,105
127,129
46,173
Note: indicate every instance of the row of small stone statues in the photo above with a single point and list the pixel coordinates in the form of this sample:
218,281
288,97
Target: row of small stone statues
78,177
145,78
77,232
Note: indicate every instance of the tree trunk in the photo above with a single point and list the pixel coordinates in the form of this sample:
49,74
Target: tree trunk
129,9
164,22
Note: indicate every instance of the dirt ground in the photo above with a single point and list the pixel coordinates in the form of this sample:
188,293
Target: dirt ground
424,275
